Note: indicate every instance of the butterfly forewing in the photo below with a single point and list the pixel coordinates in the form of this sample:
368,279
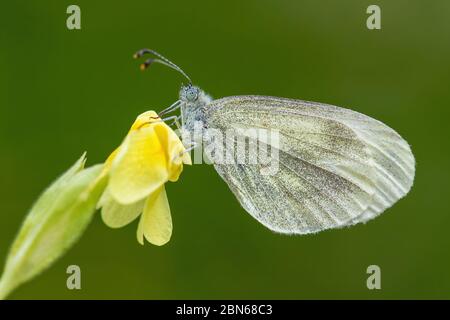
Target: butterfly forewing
336,166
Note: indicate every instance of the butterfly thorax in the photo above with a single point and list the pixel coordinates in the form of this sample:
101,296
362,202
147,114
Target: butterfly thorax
193,105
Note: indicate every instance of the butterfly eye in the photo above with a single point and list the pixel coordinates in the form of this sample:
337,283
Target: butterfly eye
191,94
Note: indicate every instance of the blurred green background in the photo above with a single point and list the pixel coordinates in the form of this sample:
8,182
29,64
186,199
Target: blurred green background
63,92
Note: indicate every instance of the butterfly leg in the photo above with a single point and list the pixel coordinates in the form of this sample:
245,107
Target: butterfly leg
175,121
174,106
187,150
191,147
180,130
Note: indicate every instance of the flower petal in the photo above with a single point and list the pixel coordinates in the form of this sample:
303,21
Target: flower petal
139,168
174,149
156,221
145,118
116,215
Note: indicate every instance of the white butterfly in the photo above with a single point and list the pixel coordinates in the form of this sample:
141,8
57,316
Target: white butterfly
337,167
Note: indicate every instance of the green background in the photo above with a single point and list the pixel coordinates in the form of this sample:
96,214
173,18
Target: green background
63,92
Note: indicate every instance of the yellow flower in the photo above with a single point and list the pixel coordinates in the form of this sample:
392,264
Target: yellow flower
150,155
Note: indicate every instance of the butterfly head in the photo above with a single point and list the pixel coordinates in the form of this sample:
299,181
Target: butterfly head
193,96
189,94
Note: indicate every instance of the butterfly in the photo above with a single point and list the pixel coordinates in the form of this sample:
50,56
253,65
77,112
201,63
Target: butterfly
335,167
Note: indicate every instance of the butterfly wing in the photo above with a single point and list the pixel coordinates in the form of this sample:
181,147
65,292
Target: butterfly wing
336,167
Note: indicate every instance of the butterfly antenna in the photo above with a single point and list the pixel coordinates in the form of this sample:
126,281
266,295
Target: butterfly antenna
160,59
